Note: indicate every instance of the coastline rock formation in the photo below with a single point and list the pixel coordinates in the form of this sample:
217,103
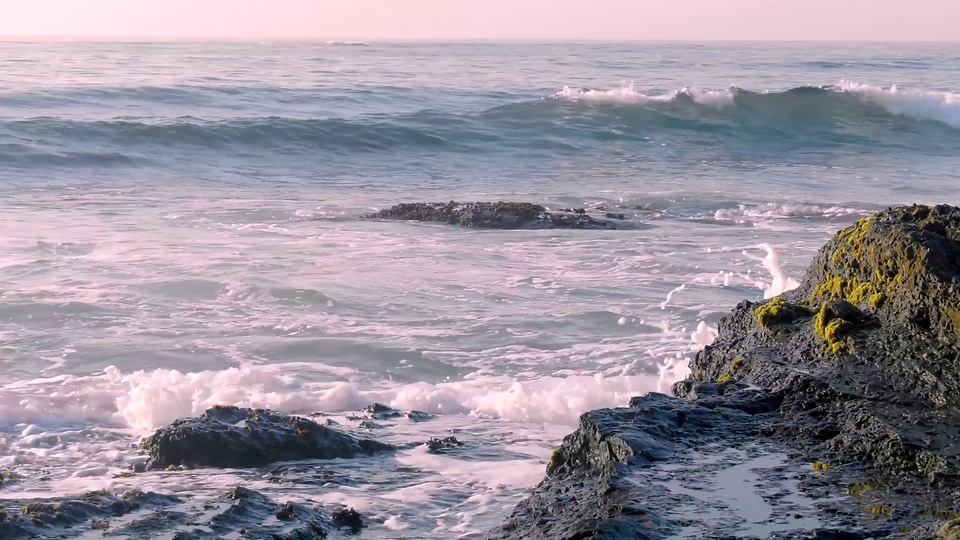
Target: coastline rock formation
498,215
236,437
833,410
240,513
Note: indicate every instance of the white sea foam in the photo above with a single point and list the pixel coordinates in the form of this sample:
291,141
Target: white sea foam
702,336
914,102
628,93
781,282
747,213
146,400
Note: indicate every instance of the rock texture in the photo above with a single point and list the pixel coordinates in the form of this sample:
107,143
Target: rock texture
849,386
237,437
241,513
494,215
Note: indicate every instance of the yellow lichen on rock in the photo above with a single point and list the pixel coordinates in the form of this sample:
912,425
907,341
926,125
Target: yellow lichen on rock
736,364
877,300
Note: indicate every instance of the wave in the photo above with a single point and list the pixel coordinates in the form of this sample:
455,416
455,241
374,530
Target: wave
942,107
861,117
146,400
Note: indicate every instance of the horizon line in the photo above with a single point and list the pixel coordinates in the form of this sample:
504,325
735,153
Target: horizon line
275,39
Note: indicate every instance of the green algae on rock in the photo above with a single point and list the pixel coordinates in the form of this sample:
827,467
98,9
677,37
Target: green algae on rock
901,357
779,311
859,367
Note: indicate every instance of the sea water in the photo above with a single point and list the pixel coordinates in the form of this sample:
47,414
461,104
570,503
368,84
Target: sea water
179,229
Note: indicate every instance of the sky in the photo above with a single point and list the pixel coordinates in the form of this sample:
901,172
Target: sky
707,20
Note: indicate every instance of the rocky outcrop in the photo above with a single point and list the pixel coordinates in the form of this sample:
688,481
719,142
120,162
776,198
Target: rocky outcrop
237,437
844,392
867,350
93,511
495,215
241,513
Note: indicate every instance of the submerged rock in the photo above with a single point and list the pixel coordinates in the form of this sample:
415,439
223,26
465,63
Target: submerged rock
348,518
435,446
493,215
241,513
55,518
238,437
844,393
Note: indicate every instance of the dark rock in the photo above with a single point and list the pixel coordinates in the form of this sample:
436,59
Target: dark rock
348,518
237,437
7,478
418,416
611,215
490,215
370,424
844,392
878,365
381,411
435,446
52,518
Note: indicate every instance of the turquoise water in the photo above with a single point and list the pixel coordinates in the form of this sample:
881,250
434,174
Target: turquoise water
179,230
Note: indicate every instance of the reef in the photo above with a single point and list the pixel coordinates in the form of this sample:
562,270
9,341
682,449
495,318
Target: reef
496,215
833,409
236,437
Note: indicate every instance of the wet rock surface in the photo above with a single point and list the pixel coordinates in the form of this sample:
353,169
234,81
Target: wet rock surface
241,513
239,437
833,408
496,215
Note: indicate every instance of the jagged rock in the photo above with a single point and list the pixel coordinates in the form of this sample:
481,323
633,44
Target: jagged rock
490,215
348,518
52,518
872,371
435,445
238,437
855,374
381,411
369,424
667,467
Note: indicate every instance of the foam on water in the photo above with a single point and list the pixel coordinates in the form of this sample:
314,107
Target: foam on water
781,282
628,93
146,400
773,211
914,102
180,230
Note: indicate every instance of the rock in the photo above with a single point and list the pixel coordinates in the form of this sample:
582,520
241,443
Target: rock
418,416
381,411
51,518
348,518
435,446
238,438
490,215
844,392
370,424
867,380
240,513
950,530
8,478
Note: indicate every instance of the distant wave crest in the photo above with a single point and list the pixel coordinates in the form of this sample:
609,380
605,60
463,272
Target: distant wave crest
573,120
943,107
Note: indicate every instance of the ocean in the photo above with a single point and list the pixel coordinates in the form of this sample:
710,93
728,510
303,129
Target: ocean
180,229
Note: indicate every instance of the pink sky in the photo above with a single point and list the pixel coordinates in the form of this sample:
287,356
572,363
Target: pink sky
881,20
